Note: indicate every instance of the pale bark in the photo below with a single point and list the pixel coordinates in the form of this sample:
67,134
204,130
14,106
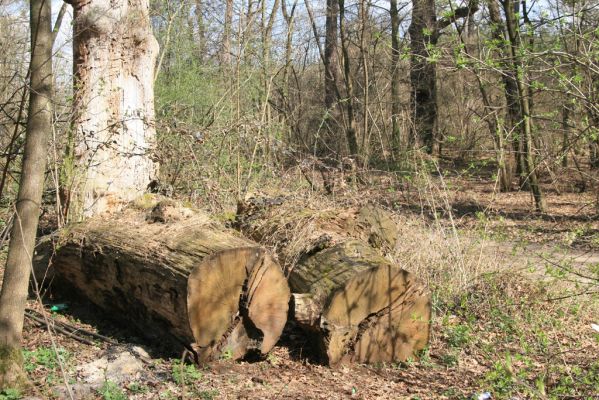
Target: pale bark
114,58
201,44
226,52
20,251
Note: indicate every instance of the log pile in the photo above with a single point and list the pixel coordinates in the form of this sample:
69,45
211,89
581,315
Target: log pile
178,275
356,304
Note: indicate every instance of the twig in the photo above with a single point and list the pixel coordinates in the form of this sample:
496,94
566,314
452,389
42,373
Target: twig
569,270
64,328
59,329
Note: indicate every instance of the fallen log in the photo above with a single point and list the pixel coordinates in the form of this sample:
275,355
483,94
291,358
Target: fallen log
295,228
354,303
187,279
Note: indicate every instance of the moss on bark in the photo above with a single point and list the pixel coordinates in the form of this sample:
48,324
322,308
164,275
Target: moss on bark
12,375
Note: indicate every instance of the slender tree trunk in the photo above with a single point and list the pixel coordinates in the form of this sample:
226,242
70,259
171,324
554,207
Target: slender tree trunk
289,16
13,296
330,55
364,13
503,163
565,134
514,117
58,23
331,92
315,31
201,43
594,122
514,111
11,150
114,59
524,102
395,77
226,52
350,131
266,38
504,166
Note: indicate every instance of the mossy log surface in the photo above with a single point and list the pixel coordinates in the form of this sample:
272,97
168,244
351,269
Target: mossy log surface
189,279
355,304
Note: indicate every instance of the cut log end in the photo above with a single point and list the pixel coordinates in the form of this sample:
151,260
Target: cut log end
381,315
361,307
237,302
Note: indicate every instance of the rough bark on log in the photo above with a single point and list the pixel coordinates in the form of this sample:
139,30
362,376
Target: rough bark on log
189,279
294,228
354,303
361,307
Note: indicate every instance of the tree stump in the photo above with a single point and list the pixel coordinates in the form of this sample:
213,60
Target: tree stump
354,303
189,279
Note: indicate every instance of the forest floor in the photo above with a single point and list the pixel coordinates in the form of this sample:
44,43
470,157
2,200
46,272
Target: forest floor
515,296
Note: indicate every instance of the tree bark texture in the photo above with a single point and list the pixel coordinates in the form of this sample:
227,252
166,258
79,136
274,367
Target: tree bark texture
423,73
350,130
361,307
226,53
395,78
114,59
179,277
424,32
328,146
529,169
13,296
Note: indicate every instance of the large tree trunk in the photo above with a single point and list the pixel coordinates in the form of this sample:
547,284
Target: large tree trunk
114,56
354,303
211,290
424,32
22,240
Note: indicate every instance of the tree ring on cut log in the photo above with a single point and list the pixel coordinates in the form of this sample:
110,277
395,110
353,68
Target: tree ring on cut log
381,315
237,291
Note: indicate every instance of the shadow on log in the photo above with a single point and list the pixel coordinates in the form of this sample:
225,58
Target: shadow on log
354,303
174,273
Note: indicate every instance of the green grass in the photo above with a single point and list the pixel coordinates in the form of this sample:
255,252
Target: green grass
10,394
184,374
529,347
112,391
45,357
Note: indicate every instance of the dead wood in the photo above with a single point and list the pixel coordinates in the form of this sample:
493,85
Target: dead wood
189,279
354,303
